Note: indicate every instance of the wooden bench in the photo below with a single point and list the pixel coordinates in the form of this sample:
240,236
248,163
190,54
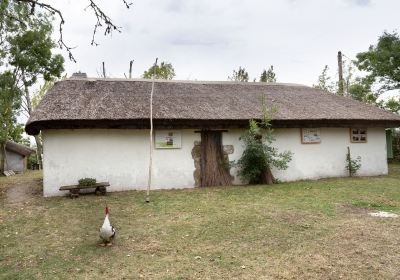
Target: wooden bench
100,188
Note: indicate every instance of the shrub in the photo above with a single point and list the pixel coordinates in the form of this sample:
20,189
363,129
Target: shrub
32,161
352,165
259,156
87,181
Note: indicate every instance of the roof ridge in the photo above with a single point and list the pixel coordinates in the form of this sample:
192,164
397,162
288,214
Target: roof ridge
183,81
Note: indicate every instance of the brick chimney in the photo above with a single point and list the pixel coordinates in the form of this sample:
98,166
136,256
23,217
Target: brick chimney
79,75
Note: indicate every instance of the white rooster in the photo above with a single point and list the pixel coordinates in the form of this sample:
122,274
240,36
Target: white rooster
107,231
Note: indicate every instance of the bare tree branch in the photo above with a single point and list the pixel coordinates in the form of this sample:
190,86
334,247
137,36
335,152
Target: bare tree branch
52,11
127,4
101,16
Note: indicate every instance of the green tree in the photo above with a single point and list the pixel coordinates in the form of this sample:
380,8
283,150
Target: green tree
16,134
325,81
393,105
382,61
241,75
10,97
259,155
268,76
30,56
360,89
164,71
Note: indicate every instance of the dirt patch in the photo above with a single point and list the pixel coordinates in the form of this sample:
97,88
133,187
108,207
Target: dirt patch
22,192
351,209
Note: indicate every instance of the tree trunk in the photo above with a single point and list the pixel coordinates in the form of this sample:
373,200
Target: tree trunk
39,146
2,158
39,150
267,177
214,169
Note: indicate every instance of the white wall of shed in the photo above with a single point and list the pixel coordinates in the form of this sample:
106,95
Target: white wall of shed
326,159
120,156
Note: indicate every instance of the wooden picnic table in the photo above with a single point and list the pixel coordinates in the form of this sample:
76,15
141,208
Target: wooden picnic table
74,190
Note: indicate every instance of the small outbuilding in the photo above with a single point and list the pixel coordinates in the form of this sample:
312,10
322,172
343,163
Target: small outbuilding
16,157
99,128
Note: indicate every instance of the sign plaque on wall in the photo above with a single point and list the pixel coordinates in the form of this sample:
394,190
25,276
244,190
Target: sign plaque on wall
168,139
310,135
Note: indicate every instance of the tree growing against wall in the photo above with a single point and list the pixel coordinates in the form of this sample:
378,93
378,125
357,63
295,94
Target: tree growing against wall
259,155
352,164
240,75
268,76
164,71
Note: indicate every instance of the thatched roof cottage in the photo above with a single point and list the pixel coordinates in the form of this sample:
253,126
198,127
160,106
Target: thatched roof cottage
99,128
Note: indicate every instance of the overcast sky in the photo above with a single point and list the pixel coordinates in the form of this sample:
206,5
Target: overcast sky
207,39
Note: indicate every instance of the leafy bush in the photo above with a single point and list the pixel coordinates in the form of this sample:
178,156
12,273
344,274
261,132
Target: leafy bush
352,165
259,155
87,181
32,161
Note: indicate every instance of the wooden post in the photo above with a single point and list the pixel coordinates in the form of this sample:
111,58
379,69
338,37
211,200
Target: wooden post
340,67
130,69
104,70
151,134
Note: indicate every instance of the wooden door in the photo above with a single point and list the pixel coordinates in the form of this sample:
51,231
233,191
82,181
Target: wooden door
214,166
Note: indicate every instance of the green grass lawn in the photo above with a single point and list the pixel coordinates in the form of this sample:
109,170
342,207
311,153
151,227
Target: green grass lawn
301,230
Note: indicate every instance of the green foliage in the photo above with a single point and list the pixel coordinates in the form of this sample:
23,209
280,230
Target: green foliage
325,81
16,134
26,52
268,76
31,54
33,161
382,61
356,87
9,105
87,181
393,105
352,165
360,89
241,75
163,71
259,155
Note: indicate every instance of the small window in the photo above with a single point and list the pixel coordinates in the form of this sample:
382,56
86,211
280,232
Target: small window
358,135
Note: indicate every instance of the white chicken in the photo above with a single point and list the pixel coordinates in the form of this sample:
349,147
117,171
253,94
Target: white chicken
107,231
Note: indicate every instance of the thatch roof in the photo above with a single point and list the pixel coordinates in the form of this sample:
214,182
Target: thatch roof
115,103
18,148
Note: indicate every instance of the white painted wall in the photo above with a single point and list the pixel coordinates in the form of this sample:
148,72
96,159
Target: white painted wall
327,159
121,157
